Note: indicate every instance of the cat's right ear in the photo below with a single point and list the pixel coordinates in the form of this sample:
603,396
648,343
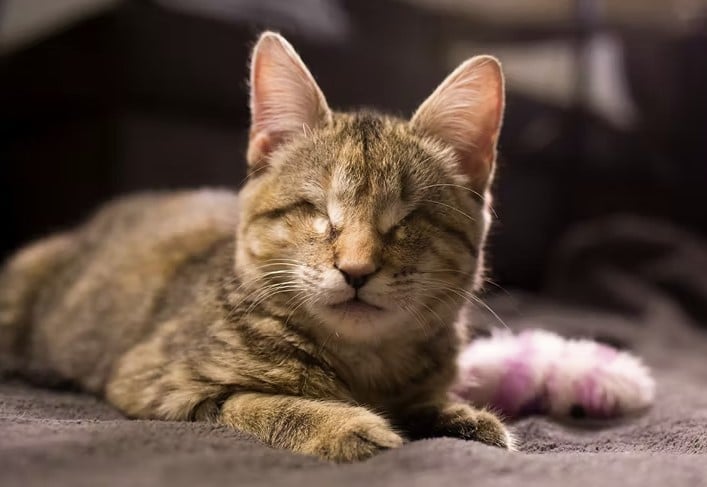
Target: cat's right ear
284,98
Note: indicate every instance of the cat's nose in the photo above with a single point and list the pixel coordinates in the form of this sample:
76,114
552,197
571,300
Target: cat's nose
356,274
356,254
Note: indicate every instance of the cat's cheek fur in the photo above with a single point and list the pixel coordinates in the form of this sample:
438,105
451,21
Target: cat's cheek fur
332,288
379,292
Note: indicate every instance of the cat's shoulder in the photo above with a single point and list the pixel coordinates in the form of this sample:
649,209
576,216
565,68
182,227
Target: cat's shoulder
155,206
159,216
160,199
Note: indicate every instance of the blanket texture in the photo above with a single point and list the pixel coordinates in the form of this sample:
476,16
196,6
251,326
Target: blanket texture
628,282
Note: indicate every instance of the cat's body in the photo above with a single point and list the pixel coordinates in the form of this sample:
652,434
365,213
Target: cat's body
316,310
107,285
148,284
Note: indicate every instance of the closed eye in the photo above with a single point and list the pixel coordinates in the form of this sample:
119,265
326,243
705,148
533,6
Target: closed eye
321,221
391,218
287,209
397,230
309,205
314,209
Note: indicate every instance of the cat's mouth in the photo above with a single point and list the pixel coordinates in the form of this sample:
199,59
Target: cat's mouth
355,305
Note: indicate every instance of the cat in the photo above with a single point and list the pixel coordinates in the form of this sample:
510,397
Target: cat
317,309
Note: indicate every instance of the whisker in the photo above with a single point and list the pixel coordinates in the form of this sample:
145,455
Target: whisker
446,302
451,185
261,294
306,300
498,286
253,173
419,321
260,276
459,186
468,296
439,318
471,218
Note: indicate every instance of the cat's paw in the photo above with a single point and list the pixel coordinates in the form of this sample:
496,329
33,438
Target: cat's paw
463,421
356,437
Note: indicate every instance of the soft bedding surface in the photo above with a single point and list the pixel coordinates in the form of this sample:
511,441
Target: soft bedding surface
638,284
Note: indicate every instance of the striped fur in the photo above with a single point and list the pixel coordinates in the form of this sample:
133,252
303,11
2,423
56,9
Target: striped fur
220,307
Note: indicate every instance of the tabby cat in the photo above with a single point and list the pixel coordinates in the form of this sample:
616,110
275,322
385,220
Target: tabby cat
317,309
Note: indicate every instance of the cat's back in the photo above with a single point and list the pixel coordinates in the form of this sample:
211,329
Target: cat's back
140,237
163,216
122,263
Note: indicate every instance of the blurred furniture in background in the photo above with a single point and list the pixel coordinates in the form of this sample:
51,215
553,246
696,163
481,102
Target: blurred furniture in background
606,110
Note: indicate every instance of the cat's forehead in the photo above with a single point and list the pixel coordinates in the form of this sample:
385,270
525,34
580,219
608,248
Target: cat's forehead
371,174
367,167
373,154
379,200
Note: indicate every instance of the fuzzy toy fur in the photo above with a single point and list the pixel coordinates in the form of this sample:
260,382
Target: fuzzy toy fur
539,372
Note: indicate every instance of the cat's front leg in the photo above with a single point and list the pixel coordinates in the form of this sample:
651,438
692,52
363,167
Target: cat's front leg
457,420
328,429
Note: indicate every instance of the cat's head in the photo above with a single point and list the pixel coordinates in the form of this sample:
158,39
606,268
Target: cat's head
370,223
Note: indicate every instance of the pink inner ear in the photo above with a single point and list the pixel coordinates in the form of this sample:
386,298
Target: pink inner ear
478,166
284,97
465,112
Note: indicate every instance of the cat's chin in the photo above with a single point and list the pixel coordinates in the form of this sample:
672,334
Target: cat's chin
357,320
352,311
355,307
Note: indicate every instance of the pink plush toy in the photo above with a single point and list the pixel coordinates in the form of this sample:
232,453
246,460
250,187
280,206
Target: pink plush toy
539,372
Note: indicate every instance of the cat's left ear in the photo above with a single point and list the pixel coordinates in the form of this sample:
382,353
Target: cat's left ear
465,112
285,101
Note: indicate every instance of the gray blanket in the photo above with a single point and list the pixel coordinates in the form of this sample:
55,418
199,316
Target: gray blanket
653,303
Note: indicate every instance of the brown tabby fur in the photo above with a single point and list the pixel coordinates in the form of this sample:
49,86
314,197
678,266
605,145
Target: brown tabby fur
154,305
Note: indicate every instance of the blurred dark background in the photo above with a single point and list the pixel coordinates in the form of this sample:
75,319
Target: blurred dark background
606,108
